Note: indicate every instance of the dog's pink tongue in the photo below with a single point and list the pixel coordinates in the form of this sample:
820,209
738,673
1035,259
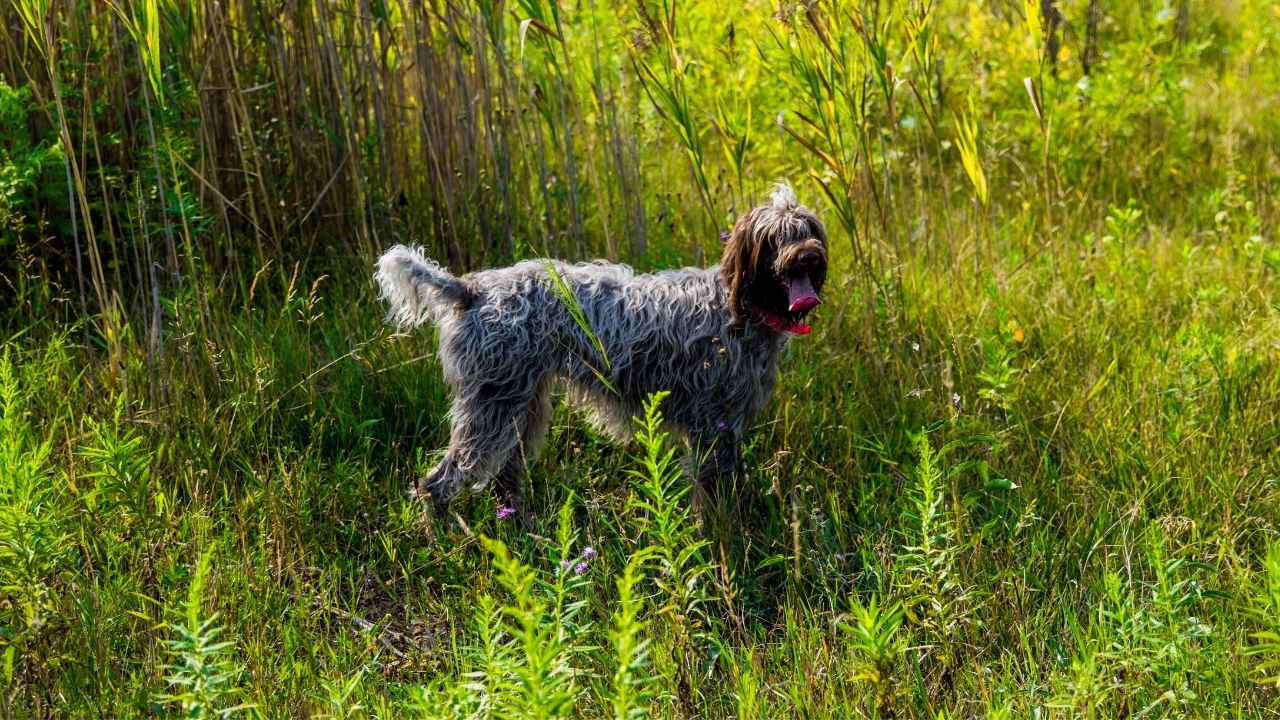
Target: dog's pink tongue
800,294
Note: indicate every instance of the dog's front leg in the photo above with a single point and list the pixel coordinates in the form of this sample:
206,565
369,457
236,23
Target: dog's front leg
717,460
439,486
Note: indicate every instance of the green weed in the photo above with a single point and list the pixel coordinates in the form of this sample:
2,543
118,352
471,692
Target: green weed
1025,466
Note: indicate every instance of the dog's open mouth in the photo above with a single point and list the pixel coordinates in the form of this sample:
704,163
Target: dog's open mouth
800,295
801,298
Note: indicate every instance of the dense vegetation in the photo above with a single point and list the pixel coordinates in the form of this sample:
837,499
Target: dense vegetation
1027,465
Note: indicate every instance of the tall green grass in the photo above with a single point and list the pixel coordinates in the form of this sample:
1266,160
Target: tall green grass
1026,465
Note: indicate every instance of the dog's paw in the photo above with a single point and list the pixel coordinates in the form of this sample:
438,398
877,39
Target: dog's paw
433,518
436,489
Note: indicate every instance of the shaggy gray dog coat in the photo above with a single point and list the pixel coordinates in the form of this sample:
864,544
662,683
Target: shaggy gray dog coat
710,336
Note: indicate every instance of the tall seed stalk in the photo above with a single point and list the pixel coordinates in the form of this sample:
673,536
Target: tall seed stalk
1040,35
142,21
37,22
667,88
831,82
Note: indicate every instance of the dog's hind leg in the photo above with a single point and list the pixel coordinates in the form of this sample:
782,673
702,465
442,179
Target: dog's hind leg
534,425
486,429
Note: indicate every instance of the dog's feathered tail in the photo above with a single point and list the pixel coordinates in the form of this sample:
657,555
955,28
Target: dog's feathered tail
417,288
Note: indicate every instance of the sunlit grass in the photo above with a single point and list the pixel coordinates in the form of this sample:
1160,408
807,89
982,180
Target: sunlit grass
1027,464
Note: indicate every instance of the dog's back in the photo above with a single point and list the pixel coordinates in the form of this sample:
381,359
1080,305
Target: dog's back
590,323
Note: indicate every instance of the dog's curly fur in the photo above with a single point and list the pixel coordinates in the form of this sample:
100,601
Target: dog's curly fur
508,336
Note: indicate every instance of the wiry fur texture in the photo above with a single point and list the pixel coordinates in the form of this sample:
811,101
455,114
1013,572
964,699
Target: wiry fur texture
507,338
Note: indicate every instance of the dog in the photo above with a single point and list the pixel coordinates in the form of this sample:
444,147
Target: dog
712,337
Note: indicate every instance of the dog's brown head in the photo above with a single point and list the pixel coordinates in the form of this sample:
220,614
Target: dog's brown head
775,263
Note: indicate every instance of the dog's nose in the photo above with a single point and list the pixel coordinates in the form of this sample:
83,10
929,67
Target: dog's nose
810,257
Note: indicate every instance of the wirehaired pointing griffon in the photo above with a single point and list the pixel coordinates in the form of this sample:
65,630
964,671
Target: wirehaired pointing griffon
710,336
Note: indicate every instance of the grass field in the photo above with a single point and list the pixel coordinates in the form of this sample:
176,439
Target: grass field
1026,466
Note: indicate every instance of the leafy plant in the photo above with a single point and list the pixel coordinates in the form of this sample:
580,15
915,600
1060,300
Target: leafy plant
34,543
202,674
665,520
120,468
631,686
936,598
970,152
877,648
1264,607
541,655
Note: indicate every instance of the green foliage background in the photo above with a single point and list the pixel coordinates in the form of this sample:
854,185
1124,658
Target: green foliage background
1028,464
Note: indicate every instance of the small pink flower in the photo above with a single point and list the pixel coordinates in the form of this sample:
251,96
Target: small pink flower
506,511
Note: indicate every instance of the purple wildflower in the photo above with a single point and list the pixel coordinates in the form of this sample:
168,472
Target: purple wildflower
724,236
579,568
506,511
588,553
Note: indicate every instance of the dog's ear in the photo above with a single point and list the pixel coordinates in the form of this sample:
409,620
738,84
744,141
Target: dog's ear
738,264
